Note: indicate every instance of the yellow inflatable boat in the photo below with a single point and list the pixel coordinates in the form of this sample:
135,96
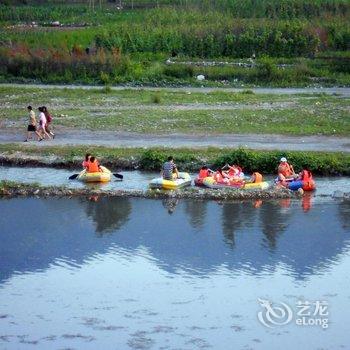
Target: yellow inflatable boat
101,176
160,183
211,183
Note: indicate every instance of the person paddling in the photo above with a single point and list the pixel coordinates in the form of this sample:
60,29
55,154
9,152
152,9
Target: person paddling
93,166
169,168
31,125
286,171
221,177
86,161
234,171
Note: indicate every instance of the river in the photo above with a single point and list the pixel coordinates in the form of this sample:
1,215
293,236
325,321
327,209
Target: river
133,180
127,273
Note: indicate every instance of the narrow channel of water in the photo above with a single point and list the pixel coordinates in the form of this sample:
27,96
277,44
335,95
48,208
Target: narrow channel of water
152,274
133,180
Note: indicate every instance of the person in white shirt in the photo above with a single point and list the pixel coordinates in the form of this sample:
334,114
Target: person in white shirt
32,125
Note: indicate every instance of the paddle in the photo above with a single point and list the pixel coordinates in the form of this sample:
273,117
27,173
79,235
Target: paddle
118,176
74,176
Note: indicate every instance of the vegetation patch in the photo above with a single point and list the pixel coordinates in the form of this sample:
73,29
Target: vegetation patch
187,159
275,42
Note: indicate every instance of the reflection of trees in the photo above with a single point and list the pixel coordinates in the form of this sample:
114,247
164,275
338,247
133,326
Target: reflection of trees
197,211
109,214
234,216
274,220
344,213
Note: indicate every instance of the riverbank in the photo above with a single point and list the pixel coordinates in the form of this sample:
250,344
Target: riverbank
14,189
187,159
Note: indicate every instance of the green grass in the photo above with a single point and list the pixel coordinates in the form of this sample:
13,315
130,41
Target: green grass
321,163
184,112
290,31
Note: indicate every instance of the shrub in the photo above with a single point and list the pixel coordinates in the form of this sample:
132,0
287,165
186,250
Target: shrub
178,71
267,162
266,70
152,160
156,98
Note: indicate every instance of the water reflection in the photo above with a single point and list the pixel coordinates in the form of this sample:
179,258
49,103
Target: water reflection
306,201
197,212
307,243
344,213
109,214
170,204
235,215
274,217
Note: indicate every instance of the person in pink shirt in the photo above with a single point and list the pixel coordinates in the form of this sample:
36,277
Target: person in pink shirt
42,124
86,161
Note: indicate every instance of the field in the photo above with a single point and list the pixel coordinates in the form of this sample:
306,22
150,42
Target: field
166,111
230,42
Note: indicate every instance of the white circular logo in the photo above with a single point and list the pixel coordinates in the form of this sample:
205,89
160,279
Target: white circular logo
274,315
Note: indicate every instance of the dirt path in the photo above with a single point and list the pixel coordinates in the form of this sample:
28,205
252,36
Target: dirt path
279,91
123,139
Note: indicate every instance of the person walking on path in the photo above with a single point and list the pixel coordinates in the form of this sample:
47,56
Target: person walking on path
42,124
48,122
32,125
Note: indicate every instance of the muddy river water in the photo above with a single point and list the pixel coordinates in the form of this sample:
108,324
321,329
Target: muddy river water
132,273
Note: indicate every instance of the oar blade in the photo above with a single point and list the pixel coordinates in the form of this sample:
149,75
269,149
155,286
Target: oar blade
118,176
74,176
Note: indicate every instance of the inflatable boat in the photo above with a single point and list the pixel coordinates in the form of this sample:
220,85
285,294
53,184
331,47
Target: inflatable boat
306,182
211,183
160,183
101,176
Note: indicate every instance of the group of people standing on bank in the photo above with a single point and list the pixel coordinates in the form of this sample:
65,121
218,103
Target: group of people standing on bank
42,127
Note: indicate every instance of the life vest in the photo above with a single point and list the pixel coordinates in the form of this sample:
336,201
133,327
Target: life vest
236,171
203,173
218,177
308,181
85,163
93,167
285,170
306,175
258,177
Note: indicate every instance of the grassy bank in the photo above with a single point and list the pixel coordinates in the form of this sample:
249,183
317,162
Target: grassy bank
182,111
320,163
